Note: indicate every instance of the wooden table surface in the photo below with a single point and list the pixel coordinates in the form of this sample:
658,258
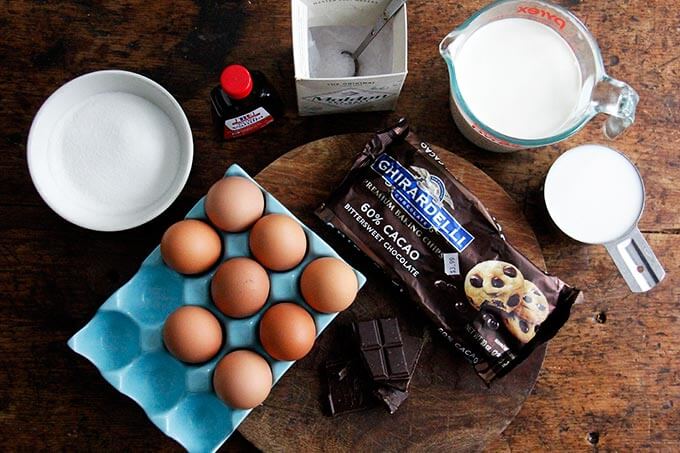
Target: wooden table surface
611,379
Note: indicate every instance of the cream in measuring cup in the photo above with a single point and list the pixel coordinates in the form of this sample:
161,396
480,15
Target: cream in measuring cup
595,195
525,74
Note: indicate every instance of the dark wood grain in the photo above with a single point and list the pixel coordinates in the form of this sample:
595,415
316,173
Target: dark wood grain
620,378
448,404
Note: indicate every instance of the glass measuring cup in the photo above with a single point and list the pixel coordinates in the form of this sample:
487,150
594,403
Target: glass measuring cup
595,195
599,93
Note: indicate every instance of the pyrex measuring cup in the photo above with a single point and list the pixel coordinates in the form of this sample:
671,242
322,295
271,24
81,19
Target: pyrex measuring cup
599,93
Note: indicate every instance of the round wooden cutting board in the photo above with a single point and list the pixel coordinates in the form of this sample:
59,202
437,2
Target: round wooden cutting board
449,407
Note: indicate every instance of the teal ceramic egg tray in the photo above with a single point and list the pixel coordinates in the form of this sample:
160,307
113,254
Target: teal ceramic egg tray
124,340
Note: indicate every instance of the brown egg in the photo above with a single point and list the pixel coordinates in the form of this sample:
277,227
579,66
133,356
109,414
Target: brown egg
192,334
328,285
234,204
190,246
287,331
240,287
278,242
242,379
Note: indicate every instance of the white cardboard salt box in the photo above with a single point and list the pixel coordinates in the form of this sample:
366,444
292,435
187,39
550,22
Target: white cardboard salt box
324,95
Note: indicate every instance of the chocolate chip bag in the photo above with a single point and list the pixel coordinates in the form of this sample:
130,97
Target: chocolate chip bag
421,226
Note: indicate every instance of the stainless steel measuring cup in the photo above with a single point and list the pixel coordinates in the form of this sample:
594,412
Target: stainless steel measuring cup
571,186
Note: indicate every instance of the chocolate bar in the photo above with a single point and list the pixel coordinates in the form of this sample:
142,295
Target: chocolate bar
348,387
351,389
382,349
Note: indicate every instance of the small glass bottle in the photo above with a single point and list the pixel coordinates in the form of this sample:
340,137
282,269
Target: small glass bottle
244,102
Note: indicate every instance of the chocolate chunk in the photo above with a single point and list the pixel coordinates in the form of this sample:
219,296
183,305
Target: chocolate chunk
375,361
497,282
389,329
513,300
524,326
510,271
413,348
385,364
369,335
378,333
382,349
391,397
396,363
476,281
399,384
348,387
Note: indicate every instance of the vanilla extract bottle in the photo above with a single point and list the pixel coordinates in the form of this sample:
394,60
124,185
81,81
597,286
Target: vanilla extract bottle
244,102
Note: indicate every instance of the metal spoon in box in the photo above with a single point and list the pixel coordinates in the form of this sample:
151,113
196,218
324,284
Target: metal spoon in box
388,13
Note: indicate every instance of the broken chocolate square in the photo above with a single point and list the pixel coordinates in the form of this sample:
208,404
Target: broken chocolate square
348,387
391,397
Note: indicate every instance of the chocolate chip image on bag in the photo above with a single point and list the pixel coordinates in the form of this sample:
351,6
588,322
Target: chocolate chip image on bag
442,246
494,283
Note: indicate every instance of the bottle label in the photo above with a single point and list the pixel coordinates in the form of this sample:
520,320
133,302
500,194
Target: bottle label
247,123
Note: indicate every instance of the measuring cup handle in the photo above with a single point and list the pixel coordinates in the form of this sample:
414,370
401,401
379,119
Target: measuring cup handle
618,100
636,262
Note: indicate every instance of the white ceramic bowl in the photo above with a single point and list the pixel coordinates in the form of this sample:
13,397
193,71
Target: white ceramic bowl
108,216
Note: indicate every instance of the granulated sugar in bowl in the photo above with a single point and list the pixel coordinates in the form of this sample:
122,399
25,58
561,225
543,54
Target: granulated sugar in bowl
110,150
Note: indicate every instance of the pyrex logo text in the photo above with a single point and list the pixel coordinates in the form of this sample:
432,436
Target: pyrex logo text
543,13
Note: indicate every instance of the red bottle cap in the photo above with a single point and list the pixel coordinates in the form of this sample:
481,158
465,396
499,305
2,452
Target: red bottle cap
236,81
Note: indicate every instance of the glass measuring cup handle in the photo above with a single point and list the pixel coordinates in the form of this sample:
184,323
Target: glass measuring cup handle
636,261
618,100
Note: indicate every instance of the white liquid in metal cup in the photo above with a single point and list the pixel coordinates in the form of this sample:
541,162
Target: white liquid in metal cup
594,194
520,78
